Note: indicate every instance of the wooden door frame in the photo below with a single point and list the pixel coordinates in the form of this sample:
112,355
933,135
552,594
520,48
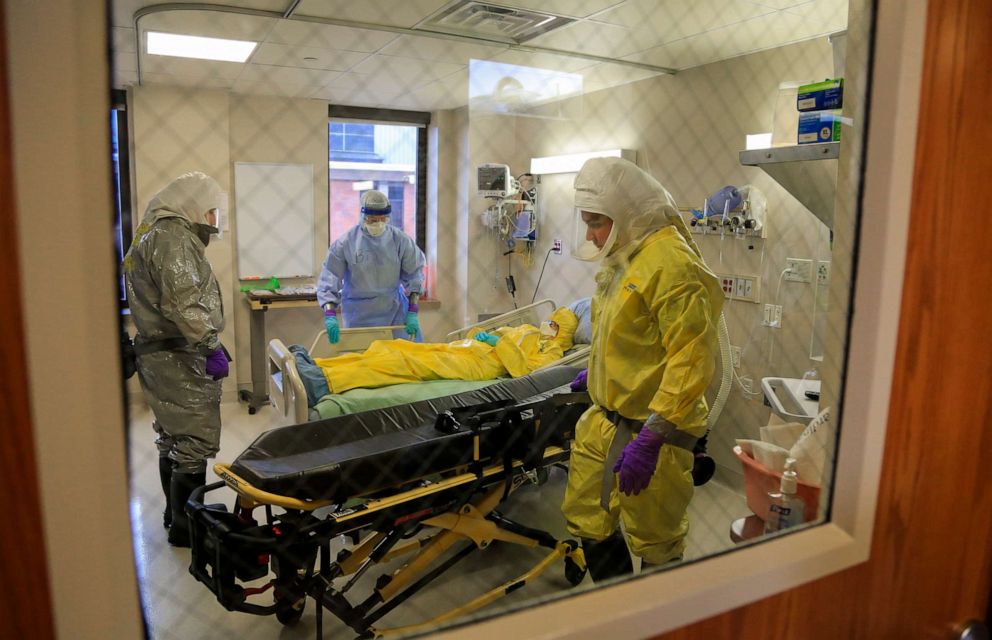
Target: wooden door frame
25,612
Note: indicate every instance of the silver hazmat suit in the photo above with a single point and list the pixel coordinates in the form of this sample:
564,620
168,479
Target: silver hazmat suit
172,293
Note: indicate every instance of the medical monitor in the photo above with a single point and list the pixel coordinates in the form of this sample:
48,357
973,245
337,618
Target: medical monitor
494,181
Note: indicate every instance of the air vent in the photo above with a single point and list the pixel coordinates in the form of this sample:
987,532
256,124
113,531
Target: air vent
491,22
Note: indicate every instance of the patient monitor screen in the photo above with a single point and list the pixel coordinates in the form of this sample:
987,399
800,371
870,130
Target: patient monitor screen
493,178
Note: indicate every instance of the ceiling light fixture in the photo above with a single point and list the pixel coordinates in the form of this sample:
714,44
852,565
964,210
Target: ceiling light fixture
181,46
572,162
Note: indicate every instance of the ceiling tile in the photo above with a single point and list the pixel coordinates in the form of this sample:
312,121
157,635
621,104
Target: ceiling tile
765,32
189,68
547,61
403,13
595,38
261,73
440,50
213,24
196,82
832,14
571,8
780,4
325,36
405,72
652,23
289,56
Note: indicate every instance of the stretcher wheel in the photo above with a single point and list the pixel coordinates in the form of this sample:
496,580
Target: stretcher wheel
289,613
573,573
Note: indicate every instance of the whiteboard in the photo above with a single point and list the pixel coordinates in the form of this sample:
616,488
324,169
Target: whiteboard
274,224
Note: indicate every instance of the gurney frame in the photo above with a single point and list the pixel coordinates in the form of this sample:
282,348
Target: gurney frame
293,549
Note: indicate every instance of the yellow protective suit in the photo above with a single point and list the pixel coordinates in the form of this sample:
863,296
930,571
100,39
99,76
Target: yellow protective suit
519,351
654,344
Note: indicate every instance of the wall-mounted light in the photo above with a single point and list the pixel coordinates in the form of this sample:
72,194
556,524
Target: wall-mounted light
180,46
572,162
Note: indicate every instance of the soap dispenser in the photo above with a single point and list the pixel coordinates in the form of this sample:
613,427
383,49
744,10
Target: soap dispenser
786,509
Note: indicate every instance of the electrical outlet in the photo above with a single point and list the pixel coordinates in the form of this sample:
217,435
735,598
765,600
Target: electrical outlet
556,247
800,270
735,356
772,316
823,272
739,287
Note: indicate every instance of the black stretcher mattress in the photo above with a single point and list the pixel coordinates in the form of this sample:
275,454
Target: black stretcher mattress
347,456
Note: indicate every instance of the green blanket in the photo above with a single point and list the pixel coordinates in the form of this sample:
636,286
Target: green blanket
358,400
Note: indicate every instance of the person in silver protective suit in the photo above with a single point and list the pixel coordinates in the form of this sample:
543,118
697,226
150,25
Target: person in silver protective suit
176,306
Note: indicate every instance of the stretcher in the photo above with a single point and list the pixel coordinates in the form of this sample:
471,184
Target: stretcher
286,390
428,492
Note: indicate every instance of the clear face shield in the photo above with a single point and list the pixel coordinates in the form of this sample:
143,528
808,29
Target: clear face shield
593,235
375,224
209,227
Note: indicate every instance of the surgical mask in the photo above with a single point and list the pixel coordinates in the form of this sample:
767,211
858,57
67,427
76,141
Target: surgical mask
204,231
549,329
375,229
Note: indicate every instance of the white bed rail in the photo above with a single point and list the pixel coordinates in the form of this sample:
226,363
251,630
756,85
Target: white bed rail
532,314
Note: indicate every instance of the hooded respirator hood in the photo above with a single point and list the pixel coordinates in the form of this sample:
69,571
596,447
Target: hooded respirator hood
618,189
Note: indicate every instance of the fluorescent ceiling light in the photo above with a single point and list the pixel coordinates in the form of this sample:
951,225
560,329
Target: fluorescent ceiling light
572,162
364,185
759,141
180,46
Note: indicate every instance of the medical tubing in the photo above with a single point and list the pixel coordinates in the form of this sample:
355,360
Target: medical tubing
727,379
538,286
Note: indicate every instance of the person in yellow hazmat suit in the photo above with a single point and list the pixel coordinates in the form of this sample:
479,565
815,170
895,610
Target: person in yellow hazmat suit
654,344
483,356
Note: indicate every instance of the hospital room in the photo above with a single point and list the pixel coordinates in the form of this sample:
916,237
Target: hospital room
464,127
442,312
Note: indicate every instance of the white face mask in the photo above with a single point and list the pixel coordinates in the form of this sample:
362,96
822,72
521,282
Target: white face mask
375,229
549,329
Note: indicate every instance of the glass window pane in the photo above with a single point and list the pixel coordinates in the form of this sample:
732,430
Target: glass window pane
372,156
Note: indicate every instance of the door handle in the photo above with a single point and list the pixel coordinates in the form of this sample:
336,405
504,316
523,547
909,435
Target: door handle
972,630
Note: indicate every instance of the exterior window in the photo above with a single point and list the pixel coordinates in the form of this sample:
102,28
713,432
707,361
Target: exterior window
373,156
120,172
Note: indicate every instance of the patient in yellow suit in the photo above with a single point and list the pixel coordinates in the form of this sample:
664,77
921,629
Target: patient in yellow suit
514,351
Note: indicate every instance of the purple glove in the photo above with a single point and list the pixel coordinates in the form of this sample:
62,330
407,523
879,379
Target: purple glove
579,384
637,461
217,365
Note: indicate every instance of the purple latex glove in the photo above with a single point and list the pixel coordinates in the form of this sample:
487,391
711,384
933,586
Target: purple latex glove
637,461
217,365
579,384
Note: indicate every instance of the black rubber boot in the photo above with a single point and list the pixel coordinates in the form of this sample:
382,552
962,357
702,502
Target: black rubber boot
607,559
182,486
165,475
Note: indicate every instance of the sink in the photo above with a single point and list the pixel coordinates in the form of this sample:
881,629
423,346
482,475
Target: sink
787,397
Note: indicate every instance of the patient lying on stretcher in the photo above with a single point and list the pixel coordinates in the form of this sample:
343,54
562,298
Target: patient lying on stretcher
514,351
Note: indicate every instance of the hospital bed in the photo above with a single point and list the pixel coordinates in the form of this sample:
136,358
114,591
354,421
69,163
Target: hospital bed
419,481
288,395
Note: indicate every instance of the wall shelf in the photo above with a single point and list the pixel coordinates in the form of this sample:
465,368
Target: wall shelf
807,171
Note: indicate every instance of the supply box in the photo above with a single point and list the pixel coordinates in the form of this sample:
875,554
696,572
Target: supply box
819,126
819,96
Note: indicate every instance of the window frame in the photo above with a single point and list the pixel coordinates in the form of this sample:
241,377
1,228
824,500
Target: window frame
118,109
419,119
